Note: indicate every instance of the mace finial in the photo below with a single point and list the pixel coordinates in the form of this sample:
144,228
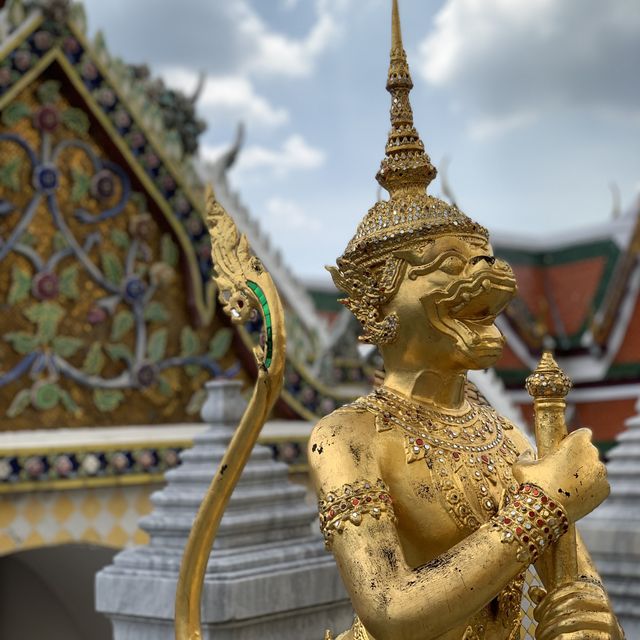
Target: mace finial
548,380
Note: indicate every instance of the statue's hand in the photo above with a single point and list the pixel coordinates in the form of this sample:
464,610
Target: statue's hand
577,611
573,474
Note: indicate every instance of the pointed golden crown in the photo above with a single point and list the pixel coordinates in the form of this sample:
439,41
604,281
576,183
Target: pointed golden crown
405,172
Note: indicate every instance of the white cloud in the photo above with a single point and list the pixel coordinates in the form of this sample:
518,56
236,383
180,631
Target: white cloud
231,95
222,37
294,155
274,53
507,62
286,214
487,127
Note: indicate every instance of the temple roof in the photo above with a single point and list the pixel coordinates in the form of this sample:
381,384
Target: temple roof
573,289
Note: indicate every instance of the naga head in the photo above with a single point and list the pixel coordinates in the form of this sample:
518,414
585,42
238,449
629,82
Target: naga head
419,274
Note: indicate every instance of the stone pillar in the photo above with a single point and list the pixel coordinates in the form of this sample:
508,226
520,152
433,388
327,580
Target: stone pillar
612,532
268,576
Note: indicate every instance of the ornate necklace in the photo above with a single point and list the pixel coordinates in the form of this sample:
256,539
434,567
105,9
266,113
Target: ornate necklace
475,430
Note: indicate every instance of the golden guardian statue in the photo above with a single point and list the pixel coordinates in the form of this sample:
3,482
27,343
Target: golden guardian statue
433,504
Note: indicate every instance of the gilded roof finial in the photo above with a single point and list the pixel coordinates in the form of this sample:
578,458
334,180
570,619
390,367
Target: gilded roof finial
406,168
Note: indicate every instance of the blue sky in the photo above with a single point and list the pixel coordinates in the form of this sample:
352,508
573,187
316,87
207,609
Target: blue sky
535,103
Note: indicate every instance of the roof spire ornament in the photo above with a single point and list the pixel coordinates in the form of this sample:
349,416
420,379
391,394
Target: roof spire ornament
406,167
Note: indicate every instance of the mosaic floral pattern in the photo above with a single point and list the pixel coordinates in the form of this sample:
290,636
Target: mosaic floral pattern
91,279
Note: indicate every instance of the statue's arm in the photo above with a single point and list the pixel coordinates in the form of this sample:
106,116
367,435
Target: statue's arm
392,599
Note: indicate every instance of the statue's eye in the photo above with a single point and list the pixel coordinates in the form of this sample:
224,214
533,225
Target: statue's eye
453,265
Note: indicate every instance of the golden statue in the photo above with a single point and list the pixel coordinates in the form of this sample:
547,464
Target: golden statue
433,504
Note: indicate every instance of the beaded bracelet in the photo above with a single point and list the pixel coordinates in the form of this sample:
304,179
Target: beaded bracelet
532,520
350,503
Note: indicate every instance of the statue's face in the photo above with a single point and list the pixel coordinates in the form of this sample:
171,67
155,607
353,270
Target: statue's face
452,291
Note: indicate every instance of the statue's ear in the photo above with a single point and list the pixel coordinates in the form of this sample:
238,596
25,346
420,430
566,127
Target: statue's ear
338,279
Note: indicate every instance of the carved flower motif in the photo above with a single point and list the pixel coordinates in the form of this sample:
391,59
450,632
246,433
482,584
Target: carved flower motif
152,161
89,71
146,375
34,466
90,464
171,458
182,205
136,139
6,470
46,119
43,40
204,250
5,76
327,405
44,395
45,286
122,119
146,459
71,46
96,315
168,183
102,185
134,289
120,461
141,225
22,60
194,224
63,465
308,395
289,451
46,178
106,97
161,274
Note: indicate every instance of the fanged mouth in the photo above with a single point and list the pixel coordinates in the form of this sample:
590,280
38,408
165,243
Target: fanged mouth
468,309
481,299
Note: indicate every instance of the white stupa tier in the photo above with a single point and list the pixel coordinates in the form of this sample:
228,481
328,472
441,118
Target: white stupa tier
612,532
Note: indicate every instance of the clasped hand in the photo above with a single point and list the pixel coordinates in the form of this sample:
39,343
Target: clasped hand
577,610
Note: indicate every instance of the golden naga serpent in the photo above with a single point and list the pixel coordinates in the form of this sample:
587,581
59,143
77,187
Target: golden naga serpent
244,289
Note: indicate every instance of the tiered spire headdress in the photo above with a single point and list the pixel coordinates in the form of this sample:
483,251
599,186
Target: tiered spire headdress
367,270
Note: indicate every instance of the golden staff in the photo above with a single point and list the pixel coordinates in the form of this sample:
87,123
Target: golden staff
548,386
244,289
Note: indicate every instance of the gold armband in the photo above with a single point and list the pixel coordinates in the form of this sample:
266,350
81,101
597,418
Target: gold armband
532,520
350,503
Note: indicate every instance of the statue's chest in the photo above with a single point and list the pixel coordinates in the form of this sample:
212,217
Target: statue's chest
446,487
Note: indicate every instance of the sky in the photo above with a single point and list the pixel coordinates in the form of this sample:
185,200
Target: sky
532,106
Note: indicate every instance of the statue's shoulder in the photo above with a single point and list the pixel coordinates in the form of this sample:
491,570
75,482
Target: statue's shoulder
343,428
348,422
